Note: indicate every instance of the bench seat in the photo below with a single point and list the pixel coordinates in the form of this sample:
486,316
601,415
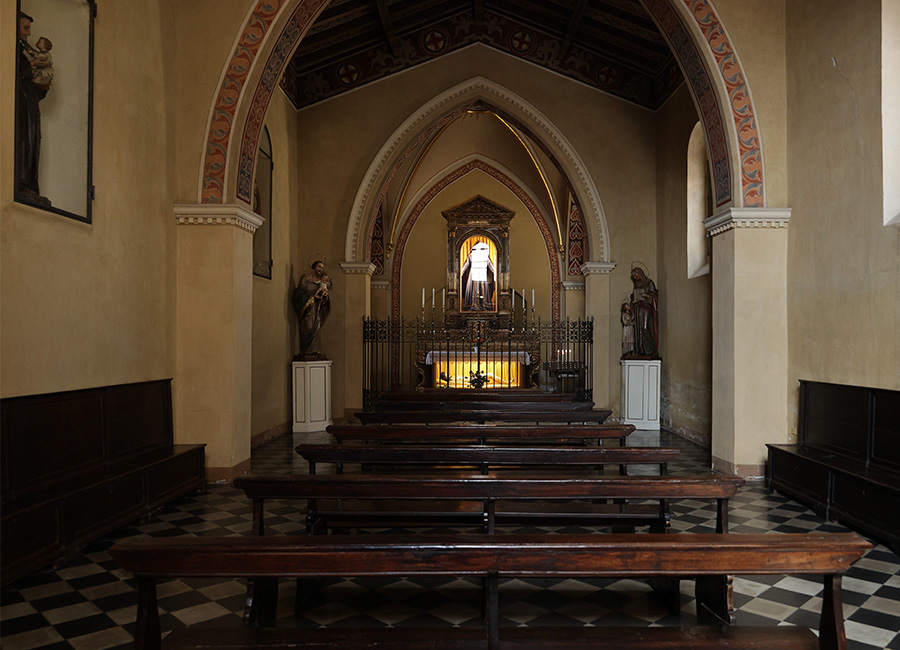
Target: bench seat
480,433
472,638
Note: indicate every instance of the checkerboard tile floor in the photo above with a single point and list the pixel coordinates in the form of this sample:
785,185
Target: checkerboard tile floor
91,603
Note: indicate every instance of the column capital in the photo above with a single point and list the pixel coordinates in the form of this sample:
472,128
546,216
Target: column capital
358,268
381,285
597,268
217,214
737,218
573,286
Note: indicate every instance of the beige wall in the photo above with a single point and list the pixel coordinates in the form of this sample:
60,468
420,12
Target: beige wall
685,303
843,264
274,320
90,305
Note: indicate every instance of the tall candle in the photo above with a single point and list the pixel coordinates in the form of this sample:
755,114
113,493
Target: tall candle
432,297
532,298
444,297
423,297
514,299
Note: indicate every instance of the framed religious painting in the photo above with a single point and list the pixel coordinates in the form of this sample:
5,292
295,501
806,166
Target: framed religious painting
54,106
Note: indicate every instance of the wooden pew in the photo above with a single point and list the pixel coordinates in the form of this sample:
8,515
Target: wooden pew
496,395
484,405
481,416
710,558
460,498
485,457
479,433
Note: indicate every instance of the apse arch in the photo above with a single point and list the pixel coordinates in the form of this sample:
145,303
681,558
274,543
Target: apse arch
444,108
444,179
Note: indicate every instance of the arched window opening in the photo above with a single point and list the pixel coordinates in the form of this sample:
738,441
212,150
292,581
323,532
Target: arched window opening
262,205
699,203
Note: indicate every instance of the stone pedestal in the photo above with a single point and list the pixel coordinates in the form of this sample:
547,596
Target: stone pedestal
640,393
312,395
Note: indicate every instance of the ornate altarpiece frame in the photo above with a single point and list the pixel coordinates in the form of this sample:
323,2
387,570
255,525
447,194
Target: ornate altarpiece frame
478,217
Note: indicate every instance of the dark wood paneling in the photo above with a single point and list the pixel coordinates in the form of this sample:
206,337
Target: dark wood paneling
138,418
886,430
835,418
97,509
182,472
52,437
32,538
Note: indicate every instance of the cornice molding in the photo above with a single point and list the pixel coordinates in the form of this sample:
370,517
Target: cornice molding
597,268
739,218
574,286
217,214
358,268
380,285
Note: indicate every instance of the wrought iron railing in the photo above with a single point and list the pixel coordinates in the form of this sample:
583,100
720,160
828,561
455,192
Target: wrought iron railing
466,352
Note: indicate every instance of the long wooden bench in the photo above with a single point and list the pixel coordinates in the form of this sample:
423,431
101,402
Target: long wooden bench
485,457
482,416
711,559
460,498
496,395
479,433
485,405
78,464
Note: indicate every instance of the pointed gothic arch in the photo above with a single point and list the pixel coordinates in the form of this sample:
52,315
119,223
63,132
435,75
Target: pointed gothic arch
444,181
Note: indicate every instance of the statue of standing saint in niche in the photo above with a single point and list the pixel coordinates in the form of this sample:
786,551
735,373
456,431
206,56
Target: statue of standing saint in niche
641,315
478,279
312,303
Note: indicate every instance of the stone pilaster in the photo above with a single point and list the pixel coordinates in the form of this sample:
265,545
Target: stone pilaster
357,305
750,334
214,324
596,306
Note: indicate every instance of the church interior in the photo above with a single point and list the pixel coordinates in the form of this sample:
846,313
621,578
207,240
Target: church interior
455,183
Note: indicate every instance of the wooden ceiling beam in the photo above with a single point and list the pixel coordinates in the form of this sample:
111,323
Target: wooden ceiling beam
388,26
574,24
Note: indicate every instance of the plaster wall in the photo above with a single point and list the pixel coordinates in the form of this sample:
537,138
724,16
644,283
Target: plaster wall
339,138
843,263
685,303
274,319
205,33
90,305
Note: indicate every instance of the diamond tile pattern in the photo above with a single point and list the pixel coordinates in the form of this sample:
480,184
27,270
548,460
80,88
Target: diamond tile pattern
91,603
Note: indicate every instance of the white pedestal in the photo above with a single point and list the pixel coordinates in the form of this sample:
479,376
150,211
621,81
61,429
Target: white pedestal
312,395
640,393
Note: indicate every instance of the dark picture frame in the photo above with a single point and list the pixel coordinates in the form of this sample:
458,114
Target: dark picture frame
54,86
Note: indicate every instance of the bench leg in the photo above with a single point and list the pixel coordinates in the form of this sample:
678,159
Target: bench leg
147,631
715,600
669,589
262,602
831,624
491,610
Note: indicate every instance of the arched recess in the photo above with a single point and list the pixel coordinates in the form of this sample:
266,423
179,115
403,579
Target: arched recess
274,28
445,108
447,178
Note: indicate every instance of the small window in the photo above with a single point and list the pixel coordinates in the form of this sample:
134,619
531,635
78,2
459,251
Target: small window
699,203
262,205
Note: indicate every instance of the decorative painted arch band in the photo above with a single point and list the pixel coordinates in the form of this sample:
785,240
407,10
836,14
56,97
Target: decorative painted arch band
261,18
515,188
738,97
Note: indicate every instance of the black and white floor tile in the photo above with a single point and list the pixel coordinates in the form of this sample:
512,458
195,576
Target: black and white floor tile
91,603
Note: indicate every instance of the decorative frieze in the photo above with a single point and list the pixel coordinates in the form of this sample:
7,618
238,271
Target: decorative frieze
358,268
597,268
204,214
735,218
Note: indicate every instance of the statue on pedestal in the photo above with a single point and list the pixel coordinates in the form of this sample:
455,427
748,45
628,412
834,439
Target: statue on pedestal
312,302
640,318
